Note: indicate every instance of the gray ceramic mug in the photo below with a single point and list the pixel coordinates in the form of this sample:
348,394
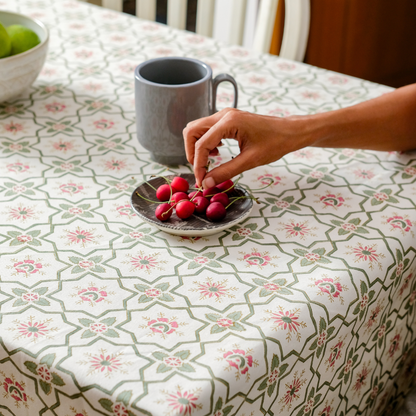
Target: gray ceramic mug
169,93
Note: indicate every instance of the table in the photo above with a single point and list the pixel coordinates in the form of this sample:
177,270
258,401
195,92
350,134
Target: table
306,308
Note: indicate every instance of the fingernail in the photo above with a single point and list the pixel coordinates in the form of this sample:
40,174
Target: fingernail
208,183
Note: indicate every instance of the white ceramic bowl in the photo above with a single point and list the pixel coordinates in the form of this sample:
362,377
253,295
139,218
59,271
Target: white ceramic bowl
18,72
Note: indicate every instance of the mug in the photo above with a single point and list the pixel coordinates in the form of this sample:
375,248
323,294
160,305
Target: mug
169,93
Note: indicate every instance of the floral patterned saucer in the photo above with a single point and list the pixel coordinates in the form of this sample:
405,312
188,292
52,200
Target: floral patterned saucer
197,225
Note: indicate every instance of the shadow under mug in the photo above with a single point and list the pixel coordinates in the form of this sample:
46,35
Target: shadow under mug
169,93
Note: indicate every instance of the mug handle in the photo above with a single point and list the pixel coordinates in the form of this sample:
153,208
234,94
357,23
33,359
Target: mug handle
216,81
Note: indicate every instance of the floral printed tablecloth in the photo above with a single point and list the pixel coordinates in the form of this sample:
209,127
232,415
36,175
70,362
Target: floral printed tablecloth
305,308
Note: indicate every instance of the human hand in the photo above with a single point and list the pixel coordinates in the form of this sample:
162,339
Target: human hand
262,140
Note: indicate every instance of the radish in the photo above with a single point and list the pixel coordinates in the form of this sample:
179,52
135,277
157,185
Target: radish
201,204
184,209
226,186
163,212
215,211
163,193
221,198
180,184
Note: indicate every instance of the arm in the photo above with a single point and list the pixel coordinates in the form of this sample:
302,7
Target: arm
385,123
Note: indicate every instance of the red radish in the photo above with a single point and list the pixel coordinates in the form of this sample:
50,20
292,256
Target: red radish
184,209
215,211
163,212
179,196
226,186
163,192
180,184
196,193
221,198
211,191
201,204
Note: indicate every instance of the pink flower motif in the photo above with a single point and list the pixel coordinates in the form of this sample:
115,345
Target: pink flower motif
63,146
282,204
394,345
164,51
201,259
272,287
35,329
338,80
286,66
98,327
331,200
239,360
313,95
115,165
162,326
67,166
136,235
335,353
347,367
286,320
349,227
22,213
412,298
126,210
15,390
212,289
75,210
274,375
244,231
13,127
19,189
312,256
121,186
374,392
254,79
364,302
120,410
15,147
59,126
79,236
381,331
127,68
400,223
399,269
55,107
105,363
24,238
144,262
117,38
173,361
30,297
329,286
71,188
17,167
153,293
10,109
295,229
182,403
225,322
44,373
381,196
50,88
93,87
225,97
269,179
103,124
27,267
317,174
83,54
410,171
97,104
321,338
257,259
92,295
303,154
86,264
405,284
364,174
196,40
309,406
239,52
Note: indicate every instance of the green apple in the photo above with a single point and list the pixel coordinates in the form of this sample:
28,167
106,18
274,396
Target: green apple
22,38
5,42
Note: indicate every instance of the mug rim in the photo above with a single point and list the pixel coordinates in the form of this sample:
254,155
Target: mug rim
139,77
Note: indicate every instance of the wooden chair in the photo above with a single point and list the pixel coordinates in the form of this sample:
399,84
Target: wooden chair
296,26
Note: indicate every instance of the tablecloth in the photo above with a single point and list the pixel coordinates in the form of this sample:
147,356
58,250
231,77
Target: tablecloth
305,308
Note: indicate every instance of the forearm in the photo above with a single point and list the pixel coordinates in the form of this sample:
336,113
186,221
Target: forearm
385,123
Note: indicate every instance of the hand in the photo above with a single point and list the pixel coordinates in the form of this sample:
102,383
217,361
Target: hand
262,140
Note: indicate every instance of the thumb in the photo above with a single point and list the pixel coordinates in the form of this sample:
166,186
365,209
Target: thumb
227,170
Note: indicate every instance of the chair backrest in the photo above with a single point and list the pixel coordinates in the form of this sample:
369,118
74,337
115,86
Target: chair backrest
295,32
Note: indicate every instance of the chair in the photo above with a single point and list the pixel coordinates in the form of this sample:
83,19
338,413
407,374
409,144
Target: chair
296,26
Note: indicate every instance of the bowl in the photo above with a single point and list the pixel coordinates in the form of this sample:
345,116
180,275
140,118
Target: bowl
196,225
18,72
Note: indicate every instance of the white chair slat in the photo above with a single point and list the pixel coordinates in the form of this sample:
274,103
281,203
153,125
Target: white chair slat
236,30
177,13
264,26
113,4
146,9
296,29
205,17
